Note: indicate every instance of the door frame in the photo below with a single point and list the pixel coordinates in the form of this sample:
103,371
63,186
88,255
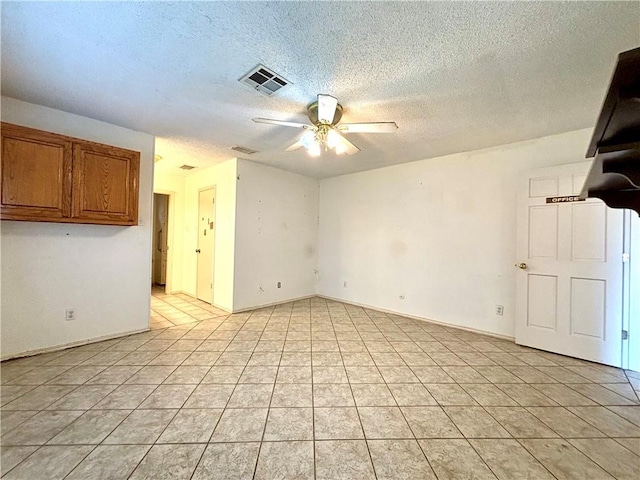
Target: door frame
631,307
213,187
168,286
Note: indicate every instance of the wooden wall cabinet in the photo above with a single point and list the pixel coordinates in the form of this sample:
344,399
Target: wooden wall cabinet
47,177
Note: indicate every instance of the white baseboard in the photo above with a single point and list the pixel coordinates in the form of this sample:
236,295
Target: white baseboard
79,343
428,320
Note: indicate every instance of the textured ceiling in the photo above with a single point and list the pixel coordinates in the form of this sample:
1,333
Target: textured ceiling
453,76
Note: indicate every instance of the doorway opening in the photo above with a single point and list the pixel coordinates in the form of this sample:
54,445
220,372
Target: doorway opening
160,242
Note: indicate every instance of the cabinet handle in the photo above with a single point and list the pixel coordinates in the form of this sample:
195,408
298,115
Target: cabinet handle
197,250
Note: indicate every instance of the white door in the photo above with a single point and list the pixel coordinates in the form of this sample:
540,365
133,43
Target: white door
569,294
206,222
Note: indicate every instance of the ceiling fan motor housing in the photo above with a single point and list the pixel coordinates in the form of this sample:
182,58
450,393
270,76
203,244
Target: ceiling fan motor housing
312,112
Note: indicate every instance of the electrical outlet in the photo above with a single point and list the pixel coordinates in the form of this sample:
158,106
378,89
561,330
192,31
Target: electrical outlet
499,310
345,284
70,314
401,297
279,284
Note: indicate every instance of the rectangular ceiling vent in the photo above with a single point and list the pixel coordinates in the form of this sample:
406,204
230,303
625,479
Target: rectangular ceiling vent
187,167
264,80
245,150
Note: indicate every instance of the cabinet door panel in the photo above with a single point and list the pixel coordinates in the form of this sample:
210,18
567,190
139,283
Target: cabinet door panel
105,184
36,175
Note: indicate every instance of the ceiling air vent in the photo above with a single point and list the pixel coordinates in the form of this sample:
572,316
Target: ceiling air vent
187,167
245,150
264,80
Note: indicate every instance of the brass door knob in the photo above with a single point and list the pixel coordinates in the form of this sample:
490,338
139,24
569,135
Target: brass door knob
522,266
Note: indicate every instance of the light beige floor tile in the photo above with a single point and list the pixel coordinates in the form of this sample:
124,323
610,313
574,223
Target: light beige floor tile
564,395
141,427
629,413
370,395
115,375
168,396
430,422
497,374
411,394
281,460
364,374
384,422
475,422
39,398
292,395
151,375
259,374
240,425
455,460
520,423
210,396
191,426
91,428
52,463
399,460
343,459
251,396
12,456
632,444
125,397
607,422
611,456
450,394
398,375
526,395
10,419
111,462
563,460
332,395
289,424
488,395
168,462
189,374
337,423
294,374
40,428
508,460
223,374
565,423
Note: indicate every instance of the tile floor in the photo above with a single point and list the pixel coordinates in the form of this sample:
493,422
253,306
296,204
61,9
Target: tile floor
313,389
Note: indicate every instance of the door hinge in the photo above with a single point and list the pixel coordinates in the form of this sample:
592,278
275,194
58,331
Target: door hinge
625,258
625,335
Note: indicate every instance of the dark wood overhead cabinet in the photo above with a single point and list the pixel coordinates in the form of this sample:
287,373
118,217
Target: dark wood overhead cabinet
47,177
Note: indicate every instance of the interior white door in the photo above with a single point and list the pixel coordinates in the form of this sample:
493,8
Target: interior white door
206,234
569,286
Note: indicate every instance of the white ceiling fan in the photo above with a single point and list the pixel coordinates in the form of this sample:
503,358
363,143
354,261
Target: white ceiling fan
324,131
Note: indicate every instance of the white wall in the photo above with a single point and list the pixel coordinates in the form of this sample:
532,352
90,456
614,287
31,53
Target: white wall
174,186
276,235
440,232
223,177
103,272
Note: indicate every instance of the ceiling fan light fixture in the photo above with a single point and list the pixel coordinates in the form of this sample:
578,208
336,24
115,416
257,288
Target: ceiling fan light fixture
332,139
314,150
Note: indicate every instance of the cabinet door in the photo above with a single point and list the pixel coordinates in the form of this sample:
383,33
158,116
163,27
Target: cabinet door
35,175
105,184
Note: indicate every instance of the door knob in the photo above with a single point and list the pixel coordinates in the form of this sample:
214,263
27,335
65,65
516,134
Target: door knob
522,266
198,250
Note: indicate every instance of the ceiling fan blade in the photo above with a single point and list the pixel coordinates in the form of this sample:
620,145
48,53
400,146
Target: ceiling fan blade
280,122
349,148
326,108
371,127
295,146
